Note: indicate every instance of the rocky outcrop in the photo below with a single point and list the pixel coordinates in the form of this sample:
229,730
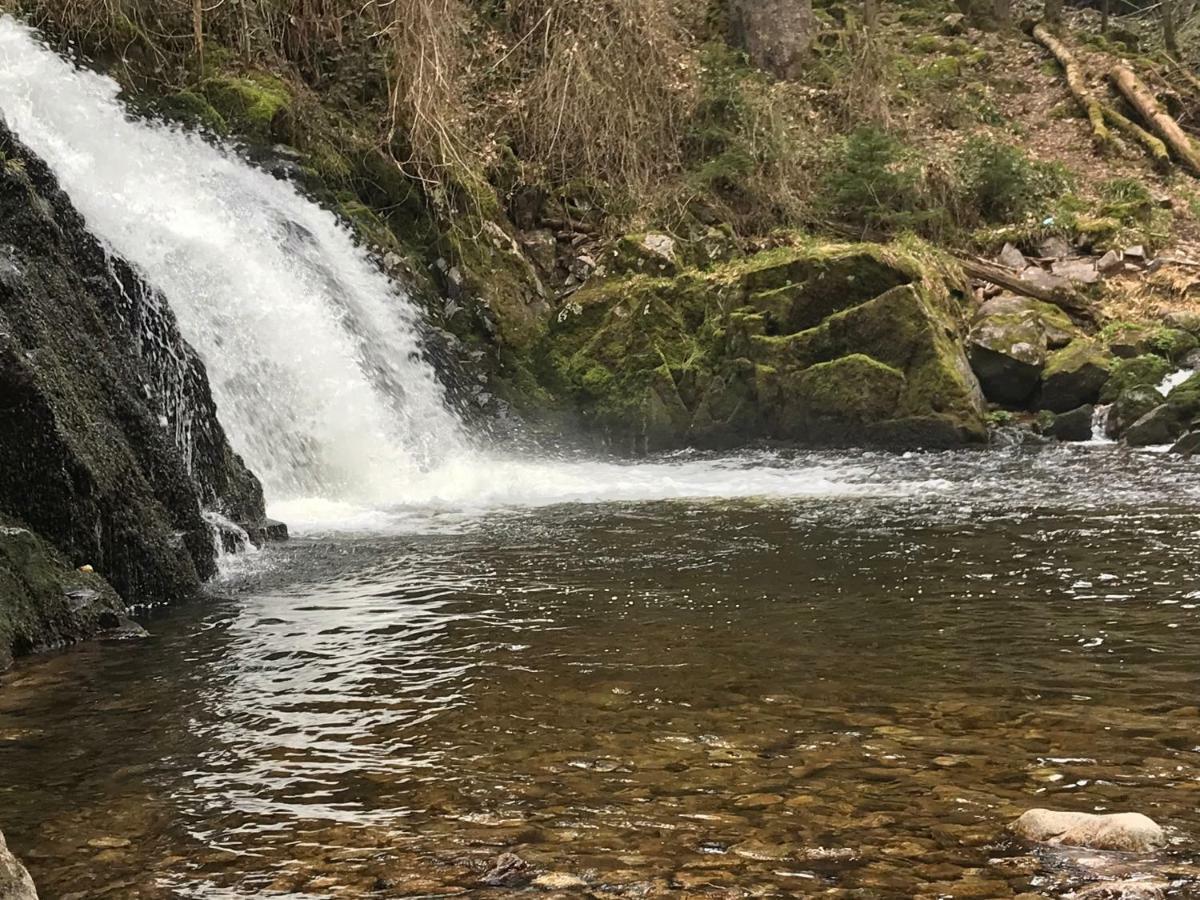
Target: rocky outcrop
1169,420
109,440
1009,343
15,883
1074,376
813,344
1132,832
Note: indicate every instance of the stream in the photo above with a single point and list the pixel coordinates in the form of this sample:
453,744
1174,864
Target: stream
847,691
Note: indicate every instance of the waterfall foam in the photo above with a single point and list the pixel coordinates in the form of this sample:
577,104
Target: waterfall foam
312,353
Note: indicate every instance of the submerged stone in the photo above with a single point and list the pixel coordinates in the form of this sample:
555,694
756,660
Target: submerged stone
15,882
1132,832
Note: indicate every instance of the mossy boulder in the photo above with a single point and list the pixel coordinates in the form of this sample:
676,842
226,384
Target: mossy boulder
44,602
1171,419
250,103
1008,344
1074,376
1147,369
1131,339
809,343
191,110
1129,406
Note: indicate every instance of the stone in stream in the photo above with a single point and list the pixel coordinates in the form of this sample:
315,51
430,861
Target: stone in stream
15,882
1128,889
1188,445
1074,376
509,871
1074,425
1129,832
1131,404
1007,354
1159,426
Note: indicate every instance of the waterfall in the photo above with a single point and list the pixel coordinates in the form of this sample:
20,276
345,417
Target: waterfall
313,354
311,351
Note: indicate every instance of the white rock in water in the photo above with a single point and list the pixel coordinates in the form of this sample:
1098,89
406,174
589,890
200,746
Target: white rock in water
1118,831
558,881
15,883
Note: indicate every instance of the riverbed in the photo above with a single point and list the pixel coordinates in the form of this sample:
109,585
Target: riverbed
846,691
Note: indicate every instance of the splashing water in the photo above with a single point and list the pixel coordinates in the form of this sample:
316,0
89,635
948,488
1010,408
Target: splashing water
313,354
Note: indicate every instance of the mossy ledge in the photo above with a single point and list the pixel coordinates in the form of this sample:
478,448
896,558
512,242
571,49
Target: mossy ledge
807,343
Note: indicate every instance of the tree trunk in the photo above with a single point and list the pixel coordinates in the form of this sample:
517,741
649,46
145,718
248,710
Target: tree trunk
1002,10
1168,28
1104,12
1053,11
198,29
776,34
1168,129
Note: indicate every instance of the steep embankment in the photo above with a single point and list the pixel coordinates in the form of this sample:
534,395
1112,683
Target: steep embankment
110,447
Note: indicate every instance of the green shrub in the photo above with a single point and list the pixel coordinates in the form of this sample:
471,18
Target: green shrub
1001,184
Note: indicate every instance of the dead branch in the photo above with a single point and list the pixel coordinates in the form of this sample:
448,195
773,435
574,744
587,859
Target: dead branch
1065,298
1079,88
1140,98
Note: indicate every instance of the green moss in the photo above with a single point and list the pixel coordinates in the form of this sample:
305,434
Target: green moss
853,389
249,103
1127,373
926,43
192,110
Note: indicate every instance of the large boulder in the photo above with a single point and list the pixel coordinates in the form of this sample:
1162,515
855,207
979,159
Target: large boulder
1132,832
1170,420
1007,354
1074,376
1130,405
1075,425
1138,371
811,344
109,441
1008,344
15,883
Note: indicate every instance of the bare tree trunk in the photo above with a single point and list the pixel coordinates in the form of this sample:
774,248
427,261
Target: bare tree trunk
1168,129
198,29
1104,12
776,34
1002,9
1168,28
1053,11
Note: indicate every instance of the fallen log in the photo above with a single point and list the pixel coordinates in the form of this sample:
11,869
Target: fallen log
1066,298
1140,98
1156,148
1077,84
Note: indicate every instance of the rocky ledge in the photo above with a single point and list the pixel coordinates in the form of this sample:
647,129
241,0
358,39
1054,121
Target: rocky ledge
109,440
806,343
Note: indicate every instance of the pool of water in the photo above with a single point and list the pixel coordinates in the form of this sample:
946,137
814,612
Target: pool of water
845,692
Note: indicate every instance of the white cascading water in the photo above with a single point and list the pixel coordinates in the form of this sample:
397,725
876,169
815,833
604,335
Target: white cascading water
312,353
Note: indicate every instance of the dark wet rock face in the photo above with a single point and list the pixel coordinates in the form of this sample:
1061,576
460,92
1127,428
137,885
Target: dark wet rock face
15,883
109,440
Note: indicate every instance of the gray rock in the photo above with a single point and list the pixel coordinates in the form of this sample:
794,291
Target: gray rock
508,871
15,882
1054,248
1012,257
1131,404
1126,889
1188,445
955,23
1007,353
1159,426
1039,277
1135,253
1131,832
1075,425
1074,376
1109,262
1080,271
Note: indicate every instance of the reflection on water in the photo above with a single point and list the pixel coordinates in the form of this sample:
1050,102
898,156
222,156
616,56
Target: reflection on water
761,698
